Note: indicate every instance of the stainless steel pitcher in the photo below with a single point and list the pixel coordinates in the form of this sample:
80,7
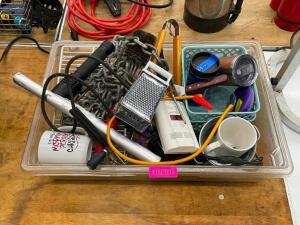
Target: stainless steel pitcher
210,16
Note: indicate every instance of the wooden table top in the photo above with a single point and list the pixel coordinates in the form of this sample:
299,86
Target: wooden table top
37,33
254,23
25,199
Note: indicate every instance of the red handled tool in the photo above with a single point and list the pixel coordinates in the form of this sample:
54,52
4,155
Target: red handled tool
201,101
196,98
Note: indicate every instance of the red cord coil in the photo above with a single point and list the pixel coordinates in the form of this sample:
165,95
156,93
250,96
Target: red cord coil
136,17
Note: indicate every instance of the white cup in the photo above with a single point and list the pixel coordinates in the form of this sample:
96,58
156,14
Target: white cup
235,137
64,148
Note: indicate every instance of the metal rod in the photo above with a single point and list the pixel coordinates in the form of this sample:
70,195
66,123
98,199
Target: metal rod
64,105
178,108
289,67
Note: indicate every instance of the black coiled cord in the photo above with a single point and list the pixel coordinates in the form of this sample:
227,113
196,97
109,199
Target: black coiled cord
161,6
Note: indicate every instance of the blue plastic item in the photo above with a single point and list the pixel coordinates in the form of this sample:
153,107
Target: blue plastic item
207,64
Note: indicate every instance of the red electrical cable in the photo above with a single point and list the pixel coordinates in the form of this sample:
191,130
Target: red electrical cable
136,17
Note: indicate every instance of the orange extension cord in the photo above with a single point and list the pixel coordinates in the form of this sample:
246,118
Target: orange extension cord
178,161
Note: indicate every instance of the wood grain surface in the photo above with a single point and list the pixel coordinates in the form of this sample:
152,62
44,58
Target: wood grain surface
37,33
27,200
255,22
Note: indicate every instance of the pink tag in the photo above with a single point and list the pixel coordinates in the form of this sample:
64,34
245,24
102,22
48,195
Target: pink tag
156,172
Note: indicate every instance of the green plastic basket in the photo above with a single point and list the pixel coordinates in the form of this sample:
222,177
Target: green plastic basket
198,119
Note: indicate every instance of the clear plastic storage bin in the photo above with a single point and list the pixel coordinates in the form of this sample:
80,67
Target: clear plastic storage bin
272,145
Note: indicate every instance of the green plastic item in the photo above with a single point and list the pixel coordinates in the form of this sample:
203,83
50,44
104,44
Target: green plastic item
198,119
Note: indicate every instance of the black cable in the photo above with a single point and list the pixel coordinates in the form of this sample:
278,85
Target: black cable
161,6
12,42
124,82
44,96
88,126
69,77
77,115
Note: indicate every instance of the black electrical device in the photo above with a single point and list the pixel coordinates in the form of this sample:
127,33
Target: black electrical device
85,70
46,14
114,7
96,159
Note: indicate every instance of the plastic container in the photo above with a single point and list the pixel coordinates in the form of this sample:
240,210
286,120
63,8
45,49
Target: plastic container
272,145
197,117
219,97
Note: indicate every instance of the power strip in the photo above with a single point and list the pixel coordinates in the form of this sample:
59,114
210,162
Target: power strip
176,133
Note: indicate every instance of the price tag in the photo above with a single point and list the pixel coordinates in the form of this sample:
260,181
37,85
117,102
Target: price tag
156,172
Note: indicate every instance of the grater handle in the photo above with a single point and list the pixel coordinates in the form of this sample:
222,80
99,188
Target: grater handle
161,73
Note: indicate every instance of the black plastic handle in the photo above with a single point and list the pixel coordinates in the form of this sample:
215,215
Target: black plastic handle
235,11
85,70
114,7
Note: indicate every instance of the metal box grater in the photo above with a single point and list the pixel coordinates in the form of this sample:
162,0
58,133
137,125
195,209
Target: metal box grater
138,106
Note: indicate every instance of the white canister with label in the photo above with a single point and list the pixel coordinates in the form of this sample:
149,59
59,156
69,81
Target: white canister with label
64,148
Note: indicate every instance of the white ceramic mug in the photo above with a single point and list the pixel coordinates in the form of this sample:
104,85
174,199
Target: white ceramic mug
64,148
235,137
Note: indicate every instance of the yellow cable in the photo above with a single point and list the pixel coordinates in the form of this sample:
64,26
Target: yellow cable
183,97
178,161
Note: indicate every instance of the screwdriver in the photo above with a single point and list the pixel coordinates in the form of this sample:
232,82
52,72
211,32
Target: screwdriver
195,98
176,103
